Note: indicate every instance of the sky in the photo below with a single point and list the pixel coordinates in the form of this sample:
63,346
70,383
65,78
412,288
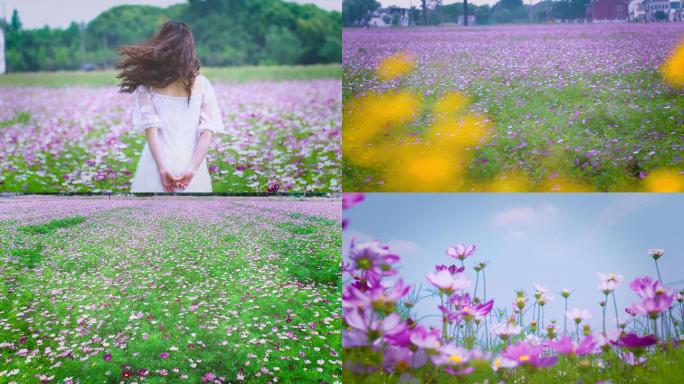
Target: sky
60,13
556,240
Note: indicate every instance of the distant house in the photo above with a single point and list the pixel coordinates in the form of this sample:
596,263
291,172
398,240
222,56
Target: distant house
608,10
656,10
471,20
389,17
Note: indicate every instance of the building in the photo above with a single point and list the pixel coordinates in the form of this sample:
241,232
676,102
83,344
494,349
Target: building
608,10
390,17
471,20
656,10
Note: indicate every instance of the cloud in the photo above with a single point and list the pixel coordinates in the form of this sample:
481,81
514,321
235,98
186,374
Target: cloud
402,247
525,215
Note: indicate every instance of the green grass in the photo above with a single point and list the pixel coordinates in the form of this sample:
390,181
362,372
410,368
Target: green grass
53,225
302,259
159,263
225,75
633,120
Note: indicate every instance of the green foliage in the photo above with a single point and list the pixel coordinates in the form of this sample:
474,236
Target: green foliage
53,225
661,367
28,257
227,33
357,12
311,252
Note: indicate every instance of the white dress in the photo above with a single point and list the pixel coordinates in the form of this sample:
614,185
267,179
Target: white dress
180,125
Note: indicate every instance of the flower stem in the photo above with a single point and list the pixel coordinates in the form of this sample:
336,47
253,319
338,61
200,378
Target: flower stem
617,320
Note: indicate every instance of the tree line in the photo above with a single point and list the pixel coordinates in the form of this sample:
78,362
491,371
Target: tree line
227,33
434,12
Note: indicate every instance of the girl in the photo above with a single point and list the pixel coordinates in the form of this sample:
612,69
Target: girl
175,106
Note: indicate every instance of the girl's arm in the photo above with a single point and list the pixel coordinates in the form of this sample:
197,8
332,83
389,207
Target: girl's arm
167,179
197,157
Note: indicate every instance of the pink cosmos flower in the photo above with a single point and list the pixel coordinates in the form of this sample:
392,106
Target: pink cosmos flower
452,268
425,338
402,358
578,315
366,322
373,259
524,353
451,354
350,199
656,298
629,358
505,330
460,251
568,347
353,297
466,309
447,282
634,341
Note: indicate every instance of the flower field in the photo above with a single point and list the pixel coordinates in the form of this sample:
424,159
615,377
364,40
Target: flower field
137,290
282,136
473,338
591,107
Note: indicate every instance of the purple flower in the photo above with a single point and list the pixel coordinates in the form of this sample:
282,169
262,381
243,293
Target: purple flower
465,309
425,338
373,259
350,199
164,355
452,268
629,358
402,359
656,298
460,251
524,353
451,354
568,347
634,341
107,357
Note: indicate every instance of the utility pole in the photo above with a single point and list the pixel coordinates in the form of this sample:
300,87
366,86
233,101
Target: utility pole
465,13
530,11
424,12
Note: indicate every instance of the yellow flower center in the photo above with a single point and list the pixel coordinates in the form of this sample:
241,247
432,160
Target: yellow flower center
455,359
497,362
524,358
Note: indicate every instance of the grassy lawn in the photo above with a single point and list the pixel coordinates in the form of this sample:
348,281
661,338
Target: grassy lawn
170,290
224,75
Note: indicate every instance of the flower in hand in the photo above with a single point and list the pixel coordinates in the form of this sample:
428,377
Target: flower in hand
185,178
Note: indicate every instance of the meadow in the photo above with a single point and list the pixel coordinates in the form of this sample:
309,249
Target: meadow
466,336
72,131
513,108
166,290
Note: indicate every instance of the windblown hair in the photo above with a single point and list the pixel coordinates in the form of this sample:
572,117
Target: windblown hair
168,56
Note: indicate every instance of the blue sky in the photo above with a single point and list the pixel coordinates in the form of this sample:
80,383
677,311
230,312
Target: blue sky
556,240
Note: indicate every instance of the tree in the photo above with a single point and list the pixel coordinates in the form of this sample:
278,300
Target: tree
15,24
358,12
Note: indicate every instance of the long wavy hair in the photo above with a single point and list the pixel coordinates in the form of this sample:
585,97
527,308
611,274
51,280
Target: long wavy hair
168,56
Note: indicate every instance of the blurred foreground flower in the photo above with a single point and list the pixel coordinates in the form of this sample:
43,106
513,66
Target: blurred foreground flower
395,65
673,68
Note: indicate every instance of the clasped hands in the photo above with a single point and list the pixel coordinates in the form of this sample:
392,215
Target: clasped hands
171,183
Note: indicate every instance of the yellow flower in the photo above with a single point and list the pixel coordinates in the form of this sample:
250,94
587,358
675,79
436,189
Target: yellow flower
664,180
673,68
394,66
450,103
